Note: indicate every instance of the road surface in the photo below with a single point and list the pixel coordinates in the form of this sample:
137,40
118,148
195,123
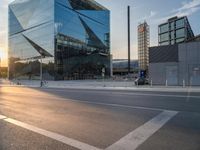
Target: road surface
72,119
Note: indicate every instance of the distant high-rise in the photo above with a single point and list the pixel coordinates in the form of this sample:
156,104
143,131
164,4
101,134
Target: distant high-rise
143,46
175,30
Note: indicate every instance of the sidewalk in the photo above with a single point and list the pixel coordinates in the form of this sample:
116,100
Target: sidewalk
98,85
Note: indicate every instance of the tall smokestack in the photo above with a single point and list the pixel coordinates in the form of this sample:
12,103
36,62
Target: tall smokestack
129,47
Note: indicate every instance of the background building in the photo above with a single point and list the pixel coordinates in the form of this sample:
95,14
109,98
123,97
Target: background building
120,66
177,64
72,36
143,46
196,38
175,30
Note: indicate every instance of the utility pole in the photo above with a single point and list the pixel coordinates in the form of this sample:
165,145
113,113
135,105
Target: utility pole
41,72
129,47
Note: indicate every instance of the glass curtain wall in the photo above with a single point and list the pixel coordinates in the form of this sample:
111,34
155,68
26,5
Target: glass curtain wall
72,37
176,30
31,33
82,38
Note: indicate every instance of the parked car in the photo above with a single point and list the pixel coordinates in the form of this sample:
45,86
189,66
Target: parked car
141,81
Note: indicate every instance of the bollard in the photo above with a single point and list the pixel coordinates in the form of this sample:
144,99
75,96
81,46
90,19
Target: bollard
151,83
191,82
166,84
183,83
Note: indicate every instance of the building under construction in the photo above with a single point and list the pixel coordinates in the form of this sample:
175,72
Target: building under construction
143,46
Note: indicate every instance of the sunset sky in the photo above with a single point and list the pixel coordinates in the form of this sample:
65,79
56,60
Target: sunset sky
153,11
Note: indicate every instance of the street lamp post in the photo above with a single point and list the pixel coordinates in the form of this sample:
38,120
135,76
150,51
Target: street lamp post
41,72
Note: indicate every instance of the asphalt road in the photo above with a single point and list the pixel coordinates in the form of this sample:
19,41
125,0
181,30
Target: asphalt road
71,119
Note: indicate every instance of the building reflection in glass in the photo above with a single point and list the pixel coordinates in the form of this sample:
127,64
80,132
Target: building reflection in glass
73,36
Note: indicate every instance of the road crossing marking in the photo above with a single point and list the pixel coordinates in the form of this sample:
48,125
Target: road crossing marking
52,135
2,117
130,142
135,138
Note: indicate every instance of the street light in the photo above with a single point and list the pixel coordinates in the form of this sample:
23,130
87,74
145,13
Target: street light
41,72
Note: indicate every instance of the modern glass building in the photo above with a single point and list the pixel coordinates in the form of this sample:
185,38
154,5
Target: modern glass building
175,30
71,36
143,46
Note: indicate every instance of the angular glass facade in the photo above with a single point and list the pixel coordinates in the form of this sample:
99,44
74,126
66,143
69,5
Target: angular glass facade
175,30
72,36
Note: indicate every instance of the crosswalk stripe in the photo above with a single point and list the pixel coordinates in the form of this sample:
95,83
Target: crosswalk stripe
135,138
2,117
52,135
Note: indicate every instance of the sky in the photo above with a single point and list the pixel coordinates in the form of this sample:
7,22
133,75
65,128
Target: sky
154,12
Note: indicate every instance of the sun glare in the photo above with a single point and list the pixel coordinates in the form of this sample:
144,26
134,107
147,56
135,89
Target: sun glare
2,53
3,57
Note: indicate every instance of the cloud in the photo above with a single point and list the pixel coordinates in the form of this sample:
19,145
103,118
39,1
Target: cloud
186,9
149,16
152,14
190,5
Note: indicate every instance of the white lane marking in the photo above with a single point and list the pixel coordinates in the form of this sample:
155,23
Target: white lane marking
106,104
116,105
136,94
2,117
142,133
160,95
52,135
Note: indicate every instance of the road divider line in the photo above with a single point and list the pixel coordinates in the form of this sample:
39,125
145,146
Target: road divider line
161,95
52,135
114,105
135,93
135,138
